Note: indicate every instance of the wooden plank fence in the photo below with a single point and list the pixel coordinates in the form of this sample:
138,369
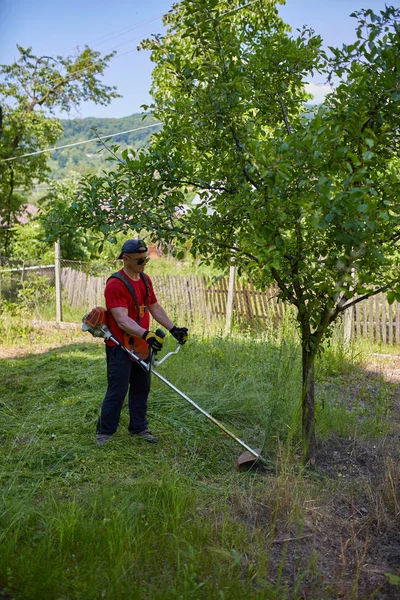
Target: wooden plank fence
187,297
377,320
191,297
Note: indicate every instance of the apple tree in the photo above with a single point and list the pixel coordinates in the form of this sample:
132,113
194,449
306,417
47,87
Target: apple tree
309,201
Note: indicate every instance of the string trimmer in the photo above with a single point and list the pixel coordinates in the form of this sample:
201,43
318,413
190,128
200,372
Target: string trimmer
95,323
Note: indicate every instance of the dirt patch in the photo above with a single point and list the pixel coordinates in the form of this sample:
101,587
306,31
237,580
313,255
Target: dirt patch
387,365
41,337
359,527
335,532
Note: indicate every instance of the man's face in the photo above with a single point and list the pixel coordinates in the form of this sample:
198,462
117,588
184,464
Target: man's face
136,262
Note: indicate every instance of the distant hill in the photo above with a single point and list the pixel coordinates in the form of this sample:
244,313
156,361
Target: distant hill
90,158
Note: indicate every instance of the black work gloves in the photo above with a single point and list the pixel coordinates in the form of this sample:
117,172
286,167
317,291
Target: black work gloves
154,341
180,334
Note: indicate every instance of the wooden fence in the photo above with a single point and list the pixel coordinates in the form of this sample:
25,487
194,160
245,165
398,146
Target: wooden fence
188,297
191,298
377,320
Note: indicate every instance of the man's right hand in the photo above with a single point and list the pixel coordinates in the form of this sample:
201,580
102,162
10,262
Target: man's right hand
154,341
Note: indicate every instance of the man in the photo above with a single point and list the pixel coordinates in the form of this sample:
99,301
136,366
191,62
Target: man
130,300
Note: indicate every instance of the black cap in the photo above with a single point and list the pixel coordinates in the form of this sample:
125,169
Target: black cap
133,247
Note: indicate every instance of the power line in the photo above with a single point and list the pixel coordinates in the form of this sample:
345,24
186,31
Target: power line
127,31
119,32
221,16
108,38
101,137
137,37
88,62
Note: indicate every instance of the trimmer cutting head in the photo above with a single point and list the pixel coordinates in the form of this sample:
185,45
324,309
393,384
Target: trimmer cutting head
248,462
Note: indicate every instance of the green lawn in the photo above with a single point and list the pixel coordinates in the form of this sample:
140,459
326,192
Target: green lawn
175,520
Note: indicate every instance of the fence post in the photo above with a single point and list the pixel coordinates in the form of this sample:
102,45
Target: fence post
348,324
348,318
57,263
230,300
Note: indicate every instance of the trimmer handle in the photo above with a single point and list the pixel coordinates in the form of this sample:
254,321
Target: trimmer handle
155,360
153,353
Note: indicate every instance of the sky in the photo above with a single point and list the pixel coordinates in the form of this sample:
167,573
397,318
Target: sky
60,27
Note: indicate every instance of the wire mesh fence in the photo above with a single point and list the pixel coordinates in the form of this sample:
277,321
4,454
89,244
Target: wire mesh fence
17,276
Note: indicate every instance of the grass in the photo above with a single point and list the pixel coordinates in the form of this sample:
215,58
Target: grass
176,520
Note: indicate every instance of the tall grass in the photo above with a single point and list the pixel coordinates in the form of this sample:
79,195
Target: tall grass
174,520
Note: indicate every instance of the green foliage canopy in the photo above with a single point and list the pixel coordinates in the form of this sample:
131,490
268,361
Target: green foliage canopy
31,89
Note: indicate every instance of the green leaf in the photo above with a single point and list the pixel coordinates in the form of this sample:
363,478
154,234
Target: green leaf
393,579
368,155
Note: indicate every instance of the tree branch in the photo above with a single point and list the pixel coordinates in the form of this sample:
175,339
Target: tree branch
283,287
285,118
342,308
240,148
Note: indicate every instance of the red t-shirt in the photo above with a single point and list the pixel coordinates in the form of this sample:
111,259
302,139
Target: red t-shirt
117,295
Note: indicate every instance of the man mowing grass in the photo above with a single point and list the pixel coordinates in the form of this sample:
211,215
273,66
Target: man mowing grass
130,300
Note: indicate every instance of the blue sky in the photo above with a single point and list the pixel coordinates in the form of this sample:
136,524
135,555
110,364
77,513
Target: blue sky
55,27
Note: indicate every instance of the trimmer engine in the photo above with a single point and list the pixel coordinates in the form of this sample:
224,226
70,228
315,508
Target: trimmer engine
96,323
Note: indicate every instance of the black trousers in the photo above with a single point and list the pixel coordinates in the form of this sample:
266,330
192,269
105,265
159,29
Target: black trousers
124,374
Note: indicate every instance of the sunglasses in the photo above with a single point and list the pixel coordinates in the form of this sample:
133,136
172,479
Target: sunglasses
140,261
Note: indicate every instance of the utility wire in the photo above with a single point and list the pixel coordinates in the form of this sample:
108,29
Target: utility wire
119,32
221,16
87,63
108,39
238,8
137,37
127,31
101,137
83,70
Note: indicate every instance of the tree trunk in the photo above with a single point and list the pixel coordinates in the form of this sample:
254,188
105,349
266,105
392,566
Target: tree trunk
308,406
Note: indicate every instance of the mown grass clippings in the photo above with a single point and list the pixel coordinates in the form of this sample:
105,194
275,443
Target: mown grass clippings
175,520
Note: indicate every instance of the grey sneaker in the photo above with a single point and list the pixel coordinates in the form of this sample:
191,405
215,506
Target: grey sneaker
102,438
146,435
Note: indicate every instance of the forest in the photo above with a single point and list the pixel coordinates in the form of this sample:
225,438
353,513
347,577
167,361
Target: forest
90,158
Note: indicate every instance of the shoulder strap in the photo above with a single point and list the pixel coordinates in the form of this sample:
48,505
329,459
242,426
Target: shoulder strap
147,285
122,277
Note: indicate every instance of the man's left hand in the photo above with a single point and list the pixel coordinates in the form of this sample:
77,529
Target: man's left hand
180,334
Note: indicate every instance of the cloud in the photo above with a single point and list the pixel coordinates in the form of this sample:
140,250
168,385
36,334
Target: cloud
318,91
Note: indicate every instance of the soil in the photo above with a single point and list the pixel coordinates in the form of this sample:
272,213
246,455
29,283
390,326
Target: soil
356,532
346,545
